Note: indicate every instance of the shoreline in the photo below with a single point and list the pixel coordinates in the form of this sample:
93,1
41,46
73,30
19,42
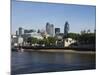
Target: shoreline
58,51
57,48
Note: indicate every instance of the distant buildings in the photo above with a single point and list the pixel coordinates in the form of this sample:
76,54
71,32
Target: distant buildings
66,29
20,40
28,31
62,39
50,29
16,33
59,41
14,40
17,39
33,34
20,31
23,34
59,36
57,31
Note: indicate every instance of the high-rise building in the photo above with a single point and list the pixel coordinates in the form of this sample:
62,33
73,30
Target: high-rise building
25,31
66,29
50,29
16,33
28,31
20,31
57,31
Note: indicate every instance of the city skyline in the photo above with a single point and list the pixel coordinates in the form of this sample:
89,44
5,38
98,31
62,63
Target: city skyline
27,15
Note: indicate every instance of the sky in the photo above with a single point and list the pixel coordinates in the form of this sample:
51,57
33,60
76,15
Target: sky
35,15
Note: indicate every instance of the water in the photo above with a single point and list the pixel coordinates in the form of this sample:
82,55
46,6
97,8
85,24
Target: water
36,62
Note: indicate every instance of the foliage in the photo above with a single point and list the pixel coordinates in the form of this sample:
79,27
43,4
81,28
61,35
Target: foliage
51,40
34,40
46,41
87,38
84,37
29,39
74,36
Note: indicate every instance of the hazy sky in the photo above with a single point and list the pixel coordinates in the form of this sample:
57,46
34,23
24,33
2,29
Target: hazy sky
32,15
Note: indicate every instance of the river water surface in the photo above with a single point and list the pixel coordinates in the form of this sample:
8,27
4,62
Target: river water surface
36,62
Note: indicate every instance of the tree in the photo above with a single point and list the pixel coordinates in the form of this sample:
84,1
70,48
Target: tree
87,38
34,40
74,36
51,40
29,40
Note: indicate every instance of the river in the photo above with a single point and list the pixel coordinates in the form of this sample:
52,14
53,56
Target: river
37,62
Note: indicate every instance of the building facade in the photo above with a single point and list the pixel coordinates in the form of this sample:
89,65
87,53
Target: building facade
66,29
57,31
50,29
20,31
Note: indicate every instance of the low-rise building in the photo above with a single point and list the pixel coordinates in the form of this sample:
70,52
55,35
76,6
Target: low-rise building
34,34
14,40
68,42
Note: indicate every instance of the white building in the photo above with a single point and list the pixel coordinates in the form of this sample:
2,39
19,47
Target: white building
20,40
34,34
68,42
14,40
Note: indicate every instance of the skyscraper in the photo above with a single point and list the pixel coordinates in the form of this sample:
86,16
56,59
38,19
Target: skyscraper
66,29
50,29
20,31
57,31
16,33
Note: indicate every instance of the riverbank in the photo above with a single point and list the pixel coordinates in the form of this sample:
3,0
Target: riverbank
77,48
56,50
67,51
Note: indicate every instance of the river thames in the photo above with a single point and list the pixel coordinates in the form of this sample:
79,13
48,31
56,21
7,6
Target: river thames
37,62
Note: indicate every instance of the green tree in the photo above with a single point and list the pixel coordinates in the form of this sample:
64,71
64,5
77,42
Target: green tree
51,40
29,40
34,40
87,38
74,36
41,41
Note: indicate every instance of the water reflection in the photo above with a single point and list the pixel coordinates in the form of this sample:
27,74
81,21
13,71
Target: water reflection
45,61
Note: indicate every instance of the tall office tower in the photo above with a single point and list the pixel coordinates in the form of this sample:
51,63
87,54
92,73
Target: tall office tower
20,31
66,29
57,31
16,33
50,29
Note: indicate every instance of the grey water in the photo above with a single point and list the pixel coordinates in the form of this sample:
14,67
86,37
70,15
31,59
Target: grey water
37,62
